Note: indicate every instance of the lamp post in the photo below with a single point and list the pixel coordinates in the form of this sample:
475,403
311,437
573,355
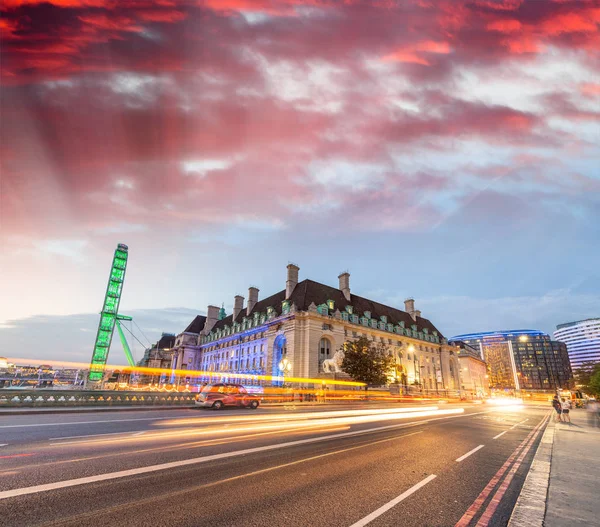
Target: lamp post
285,366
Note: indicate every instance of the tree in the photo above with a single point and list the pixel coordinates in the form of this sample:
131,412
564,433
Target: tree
584,373
368,362
588,377
594,385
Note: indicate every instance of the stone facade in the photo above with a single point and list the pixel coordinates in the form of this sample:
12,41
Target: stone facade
307,323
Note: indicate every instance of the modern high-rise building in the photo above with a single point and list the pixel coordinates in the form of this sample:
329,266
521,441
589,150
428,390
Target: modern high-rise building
582,339
523,359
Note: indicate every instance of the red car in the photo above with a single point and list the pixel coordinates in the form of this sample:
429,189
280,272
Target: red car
219,395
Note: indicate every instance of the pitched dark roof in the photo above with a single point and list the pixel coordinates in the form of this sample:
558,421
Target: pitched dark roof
308,292
196,325
165,342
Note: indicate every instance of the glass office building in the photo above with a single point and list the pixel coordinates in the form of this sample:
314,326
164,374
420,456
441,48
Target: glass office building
523,359
582,339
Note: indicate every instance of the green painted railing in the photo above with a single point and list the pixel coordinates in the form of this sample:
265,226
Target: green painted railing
53,398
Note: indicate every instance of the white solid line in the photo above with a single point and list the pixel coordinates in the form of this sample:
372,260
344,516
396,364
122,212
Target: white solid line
307,415
500,434
394,502
91,435
3,444
92,422
140,433
469,453
204,459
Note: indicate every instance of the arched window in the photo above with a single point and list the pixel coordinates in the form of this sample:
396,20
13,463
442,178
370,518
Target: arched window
324,351
324,348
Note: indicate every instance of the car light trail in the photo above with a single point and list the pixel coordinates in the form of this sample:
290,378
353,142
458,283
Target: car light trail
316,424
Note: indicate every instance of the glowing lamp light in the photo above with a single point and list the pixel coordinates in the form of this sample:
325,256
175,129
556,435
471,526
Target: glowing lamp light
285,366
523,338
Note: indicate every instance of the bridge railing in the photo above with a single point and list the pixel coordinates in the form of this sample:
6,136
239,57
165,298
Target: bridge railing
56,398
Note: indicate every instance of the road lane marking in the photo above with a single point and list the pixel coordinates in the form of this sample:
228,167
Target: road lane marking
384,508
469,453
484,494
486,517
515,426
238,417
203,459
91,435
140,433
170,495
500,434
91,422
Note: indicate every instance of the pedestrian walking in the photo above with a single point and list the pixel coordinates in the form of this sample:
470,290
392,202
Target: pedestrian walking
566,406
558,407
593,411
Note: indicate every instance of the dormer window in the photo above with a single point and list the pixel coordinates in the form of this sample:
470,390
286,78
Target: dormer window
383,319
330,304
349,309
367,314
323,309
285,307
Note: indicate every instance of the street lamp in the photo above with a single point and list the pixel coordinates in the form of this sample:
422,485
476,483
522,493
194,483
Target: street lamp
285,366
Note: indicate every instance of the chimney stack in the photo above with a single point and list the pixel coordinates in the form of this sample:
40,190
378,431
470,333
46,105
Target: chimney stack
344,279
252,299
212,315
409,307
238,305
417,313
292,280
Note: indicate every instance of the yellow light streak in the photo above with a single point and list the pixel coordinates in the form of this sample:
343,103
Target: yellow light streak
214,376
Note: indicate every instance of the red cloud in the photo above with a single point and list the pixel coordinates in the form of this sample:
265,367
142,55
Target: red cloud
129,91
590,89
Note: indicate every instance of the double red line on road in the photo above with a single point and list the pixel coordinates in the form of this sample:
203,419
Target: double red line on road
519,455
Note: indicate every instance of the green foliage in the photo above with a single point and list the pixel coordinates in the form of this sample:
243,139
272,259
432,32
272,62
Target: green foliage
593,388
368,362
588,376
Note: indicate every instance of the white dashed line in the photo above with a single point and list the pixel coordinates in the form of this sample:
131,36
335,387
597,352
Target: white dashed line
500,434
469,453
394,502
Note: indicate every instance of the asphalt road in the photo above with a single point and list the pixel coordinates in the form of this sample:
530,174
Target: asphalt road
358,465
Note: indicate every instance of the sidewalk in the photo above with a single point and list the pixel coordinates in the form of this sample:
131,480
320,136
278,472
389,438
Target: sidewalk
561,489
573,493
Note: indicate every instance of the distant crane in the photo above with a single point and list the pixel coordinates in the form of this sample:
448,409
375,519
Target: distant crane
109,317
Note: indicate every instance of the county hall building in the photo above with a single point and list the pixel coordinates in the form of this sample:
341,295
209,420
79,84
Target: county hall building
307,322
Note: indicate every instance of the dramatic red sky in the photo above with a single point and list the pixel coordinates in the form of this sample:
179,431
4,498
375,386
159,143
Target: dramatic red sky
443,149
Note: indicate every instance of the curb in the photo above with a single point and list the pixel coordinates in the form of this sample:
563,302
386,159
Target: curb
87,409
530,508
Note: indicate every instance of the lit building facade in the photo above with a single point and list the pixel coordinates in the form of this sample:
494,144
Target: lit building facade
522,359
582,339
307,322
473,372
